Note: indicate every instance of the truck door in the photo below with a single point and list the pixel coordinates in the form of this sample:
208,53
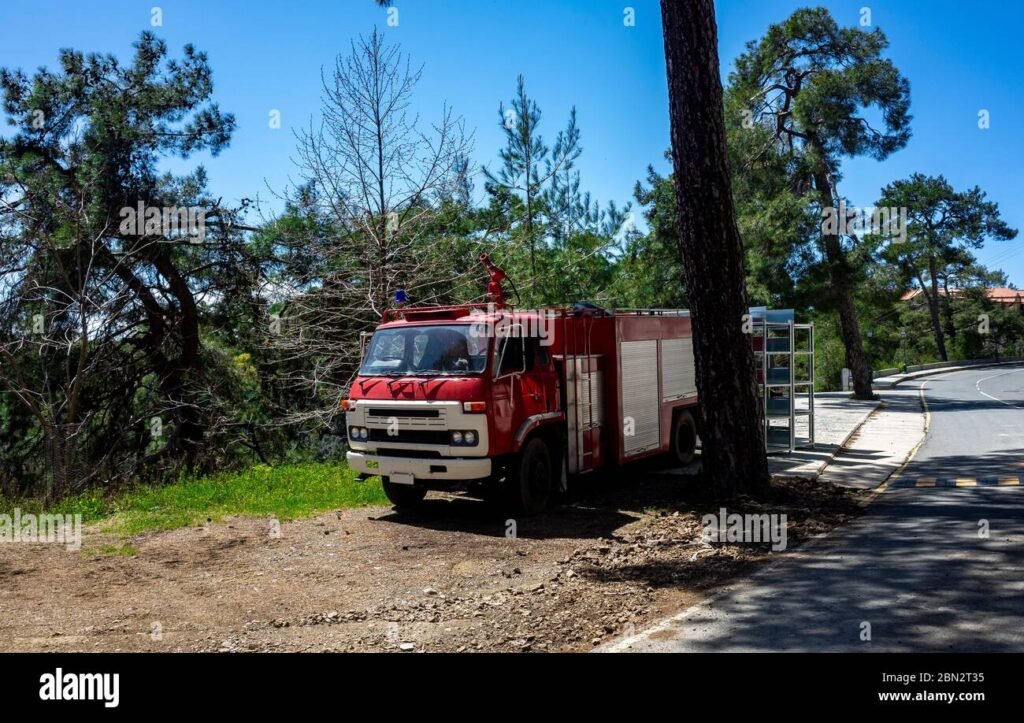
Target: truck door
525,384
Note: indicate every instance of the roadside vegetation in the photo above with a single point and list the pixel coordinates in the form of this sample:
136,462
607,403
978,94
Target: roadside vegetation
285,492
134,357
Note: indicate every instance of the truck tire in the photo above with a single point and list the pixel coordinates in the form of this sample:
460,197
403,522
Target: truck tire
532,482
403,497
683,444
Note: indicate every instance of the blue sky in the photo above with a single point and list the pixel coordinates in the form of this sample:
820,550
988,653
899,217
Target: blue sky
960,57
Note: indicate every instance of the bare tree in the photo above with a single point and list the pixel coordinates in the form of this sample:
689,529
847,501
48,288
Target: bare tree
374,212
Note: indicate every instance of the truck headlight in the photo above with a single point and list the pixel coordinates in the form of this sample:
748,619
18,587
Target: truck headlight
464,438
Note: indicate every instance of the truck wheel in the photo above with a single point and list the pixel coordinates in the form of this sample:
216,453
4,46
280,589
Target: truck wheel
403,496
533,479
684,438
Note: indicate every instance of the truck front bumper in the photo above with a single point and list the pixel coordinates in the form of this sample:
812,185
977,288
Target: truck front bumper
408,469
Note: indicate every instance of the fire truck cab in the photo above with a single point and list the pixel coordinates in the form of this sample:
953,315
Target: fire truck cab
514,404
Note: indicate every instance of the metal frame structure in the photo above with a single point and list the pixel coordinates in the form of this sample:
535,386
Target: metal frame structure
779,386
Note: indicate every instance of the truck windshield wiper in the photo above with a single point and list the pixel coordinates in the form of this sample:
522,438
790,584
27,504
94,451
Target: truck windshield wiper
423,373
457,373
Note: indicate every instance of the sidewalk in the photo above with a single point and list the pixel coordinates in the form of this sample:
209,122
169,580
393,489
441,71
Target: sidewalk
848,449
879,448
860,443
837,417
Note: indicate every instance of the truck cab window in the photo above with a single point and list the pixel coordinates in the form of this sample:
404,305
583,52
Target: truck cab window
510,353
425,350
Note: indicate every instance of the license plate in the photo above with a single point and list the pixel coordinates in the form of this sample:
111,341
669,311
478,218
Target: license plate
402,478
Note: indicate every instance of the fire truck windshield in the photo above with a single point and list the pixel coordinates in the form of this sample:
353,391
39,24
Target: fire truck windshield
451,350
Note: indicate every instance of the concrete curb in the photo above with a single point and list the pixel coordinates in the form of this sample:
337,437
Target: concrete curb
895,474
823,465
933,372
879,405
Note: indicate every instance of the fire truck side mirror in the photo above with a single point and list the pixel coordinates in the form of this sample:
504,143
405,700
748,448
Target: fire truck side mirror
364,337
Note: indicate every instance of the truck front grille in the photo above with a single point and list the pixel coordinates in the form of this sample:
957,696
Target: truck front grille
407,417
410,436
405,412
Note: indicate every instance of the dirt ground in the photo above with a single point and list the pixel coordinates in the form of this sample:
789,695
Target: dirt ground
447,578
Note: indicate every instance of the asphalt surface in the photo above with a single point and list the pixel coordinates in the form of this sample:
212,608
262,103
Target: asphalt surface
976,430
937,567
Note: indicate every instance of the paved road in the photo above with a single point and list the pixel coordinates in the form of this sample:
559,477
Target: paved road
929,568
977,429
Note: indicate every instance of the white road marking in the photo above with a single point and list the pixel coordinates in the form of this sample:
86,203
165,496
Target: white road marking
977,385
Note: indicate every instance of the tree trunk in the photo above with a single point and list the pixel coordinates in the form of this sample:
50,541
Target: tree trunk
849,329
933,309
175,383
842,295
947,310
733,452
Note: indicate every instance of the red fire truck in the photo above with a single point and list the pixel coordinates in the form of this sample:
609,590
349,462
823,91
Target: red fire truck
513,404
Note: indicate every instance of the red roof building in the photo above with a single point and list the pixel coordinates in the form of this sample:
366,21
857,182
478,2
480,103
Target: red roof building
999,295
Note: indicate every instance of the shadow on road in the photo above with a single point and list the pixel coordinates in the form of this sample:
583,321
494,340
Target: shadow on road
915,569
1005,463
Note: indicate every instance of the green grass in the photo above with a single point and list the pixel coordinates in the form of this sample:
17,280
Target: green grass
286,492
92,506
